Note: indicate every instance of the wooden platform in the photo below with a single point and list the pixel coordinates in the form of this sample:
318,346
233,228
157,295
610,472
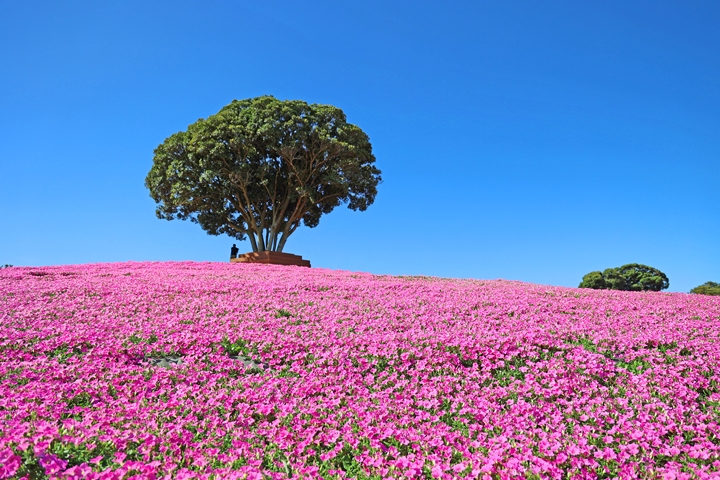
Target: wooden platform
274,258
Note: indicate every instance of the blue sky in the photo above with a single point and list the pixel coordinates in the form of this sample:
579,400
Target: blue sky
532,141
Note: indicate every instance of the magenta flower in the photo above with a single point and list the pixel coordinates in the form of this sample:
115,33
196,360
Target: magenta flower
51,463
9,463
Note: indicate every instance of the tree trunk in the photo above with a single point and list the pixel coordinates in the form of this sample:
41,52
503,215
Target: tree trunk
261,242
274,241
253,243
283,239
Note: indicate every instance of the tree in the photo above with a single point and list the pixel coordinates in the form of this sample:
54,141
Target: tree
613,279
707,288
594,280
631,277
642,278
260,167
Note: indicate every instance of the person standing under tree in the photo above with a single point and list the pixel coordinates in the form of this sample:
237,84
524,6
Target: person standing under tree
233,251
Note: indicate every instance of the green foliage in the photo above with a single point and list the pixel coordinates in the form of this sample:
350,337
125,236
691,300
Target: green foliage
260,167
584,341
636,365
238,347
638,278
632,277
707,288
594,280
613,279
7,265
80,400
63,352
137,339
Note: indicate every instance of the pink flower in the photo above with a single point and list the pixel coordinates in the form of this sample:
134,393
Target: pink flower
51,463
78,472
437,472
9,463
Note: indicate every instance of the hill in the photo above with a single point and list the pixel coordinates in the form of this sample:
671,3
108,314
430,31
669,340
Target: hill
204,370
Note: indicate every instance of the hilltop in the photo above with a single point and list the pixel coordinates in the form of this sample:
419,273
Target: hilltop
206,370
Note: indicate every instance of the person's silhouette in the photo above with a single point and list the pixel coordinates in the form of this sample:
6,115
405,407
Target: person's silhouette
234,251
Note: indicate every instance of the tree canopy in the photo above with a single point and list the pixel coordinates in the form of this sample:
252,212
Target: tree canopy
631,277
707,288
594,280
260,167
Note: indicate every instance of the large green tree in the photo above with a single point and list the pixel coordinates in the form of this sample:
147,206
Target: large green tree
707,288
260,167
631,277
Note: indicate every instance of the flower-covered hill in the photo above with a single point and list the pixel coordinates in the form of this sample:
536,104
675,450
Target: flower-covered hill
193,370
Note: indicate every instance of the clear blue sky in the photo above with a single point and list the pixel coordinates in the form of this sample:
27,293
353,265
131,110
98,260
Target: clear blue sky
532,141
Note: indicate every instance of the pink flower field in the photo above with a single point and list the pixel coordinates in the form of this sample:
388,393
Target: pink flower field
207,370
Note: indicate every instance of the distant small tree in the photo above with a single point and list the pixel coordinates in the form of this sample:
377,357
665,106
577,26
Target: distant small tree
707,288
594,280
7,265
613,279
632,277
639,278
